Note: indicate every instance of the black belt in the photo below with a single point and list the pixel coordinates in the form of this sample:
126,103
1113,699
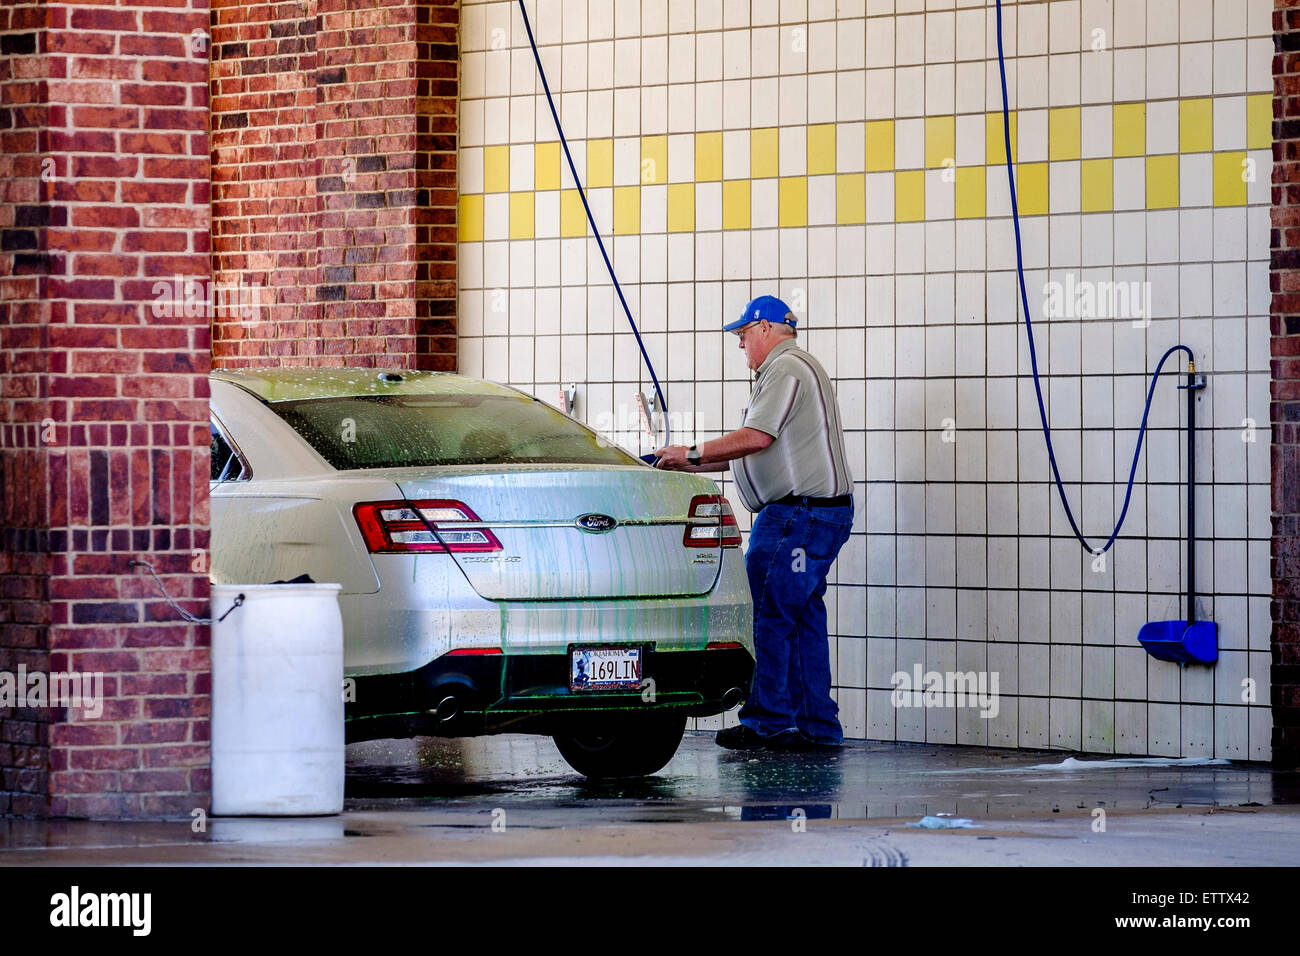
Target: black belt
839,501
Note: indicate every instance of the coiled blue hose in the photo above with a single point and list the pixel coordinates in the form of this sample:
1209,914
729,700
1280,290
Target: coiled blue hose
582,193
1033,356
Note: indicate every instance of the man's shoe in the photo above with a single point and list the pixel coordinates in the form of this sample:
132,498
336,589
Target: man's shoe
785,740
740,737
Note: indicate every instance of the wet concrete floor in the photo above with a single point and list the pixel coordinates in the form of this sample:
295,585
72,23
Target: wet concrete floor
512,800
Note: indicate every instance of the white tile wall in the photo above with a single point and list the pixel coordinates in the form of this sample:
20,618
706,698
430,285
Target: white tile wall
961,557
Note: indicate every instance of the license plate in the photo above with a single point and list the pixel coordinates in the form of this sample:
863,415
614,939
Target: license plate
605,668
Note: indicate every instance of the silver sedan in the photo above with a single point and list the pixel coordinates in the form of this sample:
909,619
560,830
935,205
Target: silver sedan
503,568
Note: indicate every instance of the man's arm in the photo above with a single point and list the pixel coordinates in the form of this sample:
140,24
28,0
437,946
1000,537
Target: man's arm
715,454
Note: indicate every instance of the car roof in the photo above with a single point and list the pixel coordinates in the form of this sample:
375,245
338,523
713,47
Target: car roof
285,384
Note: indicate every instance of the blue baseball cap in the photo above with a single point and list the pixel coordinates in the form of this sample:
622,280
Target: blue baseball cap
767,307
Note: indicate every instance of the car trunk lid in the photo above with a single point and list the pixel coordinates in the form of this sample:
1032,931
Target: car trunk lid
571,531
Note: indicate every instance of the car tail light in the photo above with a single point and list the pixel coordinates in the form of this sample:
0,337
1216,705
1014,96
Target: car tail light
724,646
709,518
395,527
474,652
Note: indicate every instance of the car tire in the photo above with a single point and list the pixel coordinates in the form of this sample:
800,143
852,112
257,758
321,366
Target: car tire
629,747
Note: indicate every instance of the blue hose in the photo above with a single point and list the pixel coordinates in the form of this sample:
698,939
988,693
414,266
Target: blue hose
582,193
1033,355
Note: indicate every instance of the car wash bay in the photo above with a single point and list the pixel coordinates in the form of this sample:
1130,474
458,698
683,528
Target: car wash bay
392,180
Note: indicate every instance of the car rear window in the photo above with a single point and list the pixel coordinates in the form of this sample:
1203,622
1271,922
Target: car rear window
393,431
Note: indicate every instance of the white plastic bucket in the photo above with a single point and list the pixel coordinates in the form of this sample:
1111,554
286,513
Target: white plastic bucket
277,700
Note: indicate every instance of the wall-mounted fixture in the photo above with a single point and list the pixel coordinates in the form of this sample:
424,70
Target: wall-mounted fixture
646,404
1190,641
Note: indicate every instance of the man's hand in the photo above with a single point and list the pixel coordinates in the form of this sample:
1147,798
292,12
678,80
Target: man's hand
672,457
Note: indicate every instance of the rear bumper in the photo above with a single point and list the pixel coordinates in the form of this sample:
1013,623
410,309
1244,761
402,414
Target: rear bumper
469,695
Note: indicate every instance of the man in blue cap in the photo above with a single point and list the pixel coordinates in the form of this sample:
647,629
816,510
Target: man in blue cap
790,467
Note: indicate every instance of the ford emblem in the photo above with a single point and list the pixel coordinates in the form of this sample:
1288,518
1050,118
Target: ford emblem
597,524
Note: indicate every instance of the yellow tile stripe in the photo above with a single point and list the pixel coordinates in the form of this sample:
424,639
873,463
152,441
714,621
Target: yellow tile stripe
1129,129
522,209
1063,134
764,155
940,141
708,157
995,142
1259,121
1162,182
600,163
735,204
546,166
970,191
627,210
792,205
1230,174
681,207
654,160
1097,185
1195,126
821,149
470,214
496,169
880,146
1131,134
1031,188
850,199
909,195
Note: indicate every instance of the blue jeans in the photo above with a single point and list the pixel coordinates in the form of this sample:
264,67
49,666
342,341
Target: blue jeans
791,550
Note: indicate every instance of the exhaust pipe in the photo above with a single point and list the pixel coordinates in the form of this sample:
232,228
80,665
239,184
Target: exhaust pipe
447,709
732,697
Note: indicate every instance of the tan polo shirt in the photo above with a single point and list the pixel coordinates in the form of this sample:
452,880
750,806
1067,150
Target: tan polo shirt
793,401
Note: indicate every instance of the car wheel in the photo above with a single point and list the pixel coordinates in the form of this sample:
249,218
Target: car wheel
631,747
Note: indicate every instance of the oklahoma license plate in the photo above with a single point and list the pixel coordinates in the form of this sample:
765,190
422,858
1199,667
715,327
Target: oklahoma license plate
605,668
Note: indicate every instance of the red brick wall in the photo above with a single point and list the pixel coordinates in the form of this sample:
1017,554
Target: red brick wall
334,151
24,566
1285,407
334,136
124,204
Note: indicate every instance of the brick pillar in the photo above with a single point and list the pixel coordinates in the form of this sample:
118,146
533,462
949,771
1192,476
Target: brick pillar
1285,406
24,317
334,149
437,110
105,458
